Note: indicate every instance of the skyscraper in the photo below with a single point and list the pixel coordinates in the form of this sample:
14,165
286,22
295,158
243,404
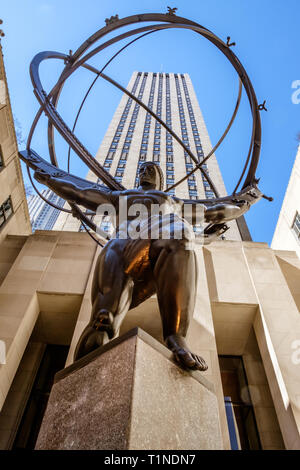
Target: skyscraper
134,136
42,215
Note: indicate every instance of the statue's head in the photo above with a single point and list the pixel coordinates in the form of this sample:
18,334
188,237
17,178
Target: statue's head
151,176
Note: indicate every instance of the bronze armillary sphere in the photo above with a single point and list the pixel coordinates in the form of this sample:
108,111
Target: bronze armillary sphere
80,58
129,270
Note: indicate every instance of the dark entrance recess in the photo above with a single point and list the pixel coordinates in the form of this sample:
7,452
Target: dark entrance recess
54,359
242,426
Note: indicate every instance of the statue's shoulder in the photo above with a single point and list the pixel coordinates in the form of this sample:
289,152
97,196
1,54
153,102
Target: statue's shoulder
166,196
130,192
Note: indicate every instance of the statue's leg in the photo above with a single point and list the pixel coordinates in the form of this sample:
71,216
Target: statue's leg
175,274
111,298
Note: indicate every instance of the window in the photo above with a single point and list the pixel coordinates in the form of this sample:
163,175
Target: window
2,217
5,211
296,225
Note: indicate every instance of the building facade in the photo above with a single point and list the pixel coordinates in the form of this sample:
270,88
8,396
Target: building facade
14,216
246,320
287,231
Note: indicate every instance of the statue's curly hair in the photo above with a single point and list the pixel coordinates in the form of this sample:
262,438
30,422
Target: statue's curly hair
160,172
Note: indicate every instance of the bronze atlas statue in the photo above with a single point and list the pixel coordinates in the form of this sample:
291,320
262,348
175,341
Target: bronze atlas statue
151,250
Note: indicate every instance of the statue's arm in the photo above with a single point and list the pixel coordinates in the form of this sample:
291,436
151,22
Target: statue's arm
88,197
197,213
224,212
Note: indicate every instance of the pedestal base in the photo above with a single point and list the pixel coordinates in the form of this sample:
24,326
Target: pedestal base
130,394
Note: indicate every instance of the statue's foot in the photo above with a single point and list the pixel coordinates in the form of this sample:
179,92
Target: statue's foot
103,321
90,340
183,355
96,334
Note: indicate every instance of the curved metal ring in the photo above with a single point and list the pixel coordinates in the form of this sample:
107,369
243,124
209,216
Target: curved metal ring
198,166
49,102
94,81
197,28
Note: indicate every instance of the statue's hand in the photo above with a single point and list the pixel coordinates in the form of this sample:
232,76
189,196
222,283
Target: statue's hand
241,207
225,212
41,176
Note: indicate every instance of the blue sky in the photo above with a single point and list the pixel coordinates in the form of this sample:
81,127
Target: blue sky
267,44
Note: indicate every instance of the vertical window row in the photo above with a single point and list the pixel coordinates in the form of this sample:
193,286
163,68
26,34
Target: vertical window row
146,130
157,129
126,146
208,191
117,136
170,178
192,185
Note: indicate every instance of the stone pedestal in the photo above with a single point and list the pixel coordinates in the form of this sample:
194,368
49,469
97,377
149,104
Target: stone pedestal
130,394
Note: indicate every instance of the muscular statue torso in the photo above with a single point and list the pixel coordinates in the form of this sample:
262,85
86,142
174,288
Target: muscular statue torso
130,270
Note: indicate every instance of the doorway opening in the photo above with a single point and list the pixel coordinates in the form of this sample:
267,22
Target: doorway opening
243,431
53,360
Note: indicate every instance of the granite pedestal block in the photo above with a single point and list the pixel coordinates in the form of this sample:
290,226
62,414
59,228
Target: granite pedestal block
130,394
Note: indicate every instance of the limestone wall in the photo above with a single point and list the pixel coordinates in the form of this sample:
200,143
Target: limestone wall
246,293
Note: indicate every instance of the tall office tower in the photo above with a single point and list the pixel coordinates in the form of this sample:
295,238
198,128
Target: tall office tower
134,136
42,215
